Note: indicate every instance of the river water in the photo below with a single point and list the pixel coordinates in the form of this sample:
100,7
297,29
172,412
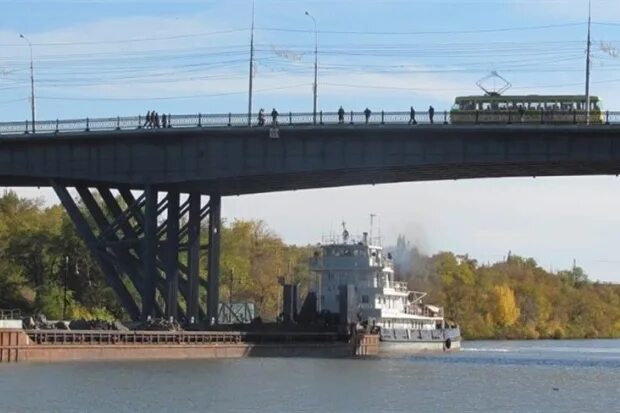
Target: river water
498,376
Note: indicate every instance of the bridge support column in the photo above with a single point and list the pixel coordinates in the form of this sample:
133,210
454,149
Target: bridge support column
149,256
171,246
137,242
111,274
193,256
213,288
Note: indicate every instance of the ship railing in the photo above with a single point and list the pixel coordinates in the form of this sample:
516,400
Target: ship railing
113,337
400,286
10,314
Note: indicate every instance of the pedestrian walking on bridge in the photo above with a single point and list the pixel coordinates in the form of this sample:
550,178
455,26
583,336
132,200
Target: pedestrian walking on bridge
341,115
261,117
412,120
274,117
431,114
367,113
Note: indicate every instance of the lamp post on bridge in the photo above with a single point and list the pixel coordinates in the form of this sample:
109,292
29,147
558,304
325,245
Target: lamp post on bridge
316,60
31,80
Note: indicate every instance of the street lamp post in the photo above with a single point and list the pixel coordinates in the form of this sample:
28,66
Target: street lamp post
64,294
31,81
316,68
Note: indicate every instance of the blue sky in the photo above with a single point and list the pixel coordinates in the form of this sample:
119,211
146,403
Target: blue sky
108,58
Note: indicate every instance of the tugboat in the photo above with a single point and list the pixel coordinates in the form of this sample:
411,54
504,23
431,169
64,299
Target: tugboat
355,282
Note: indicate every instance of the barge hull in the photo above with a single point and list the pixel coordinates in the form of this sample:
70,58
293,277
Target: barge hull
62,346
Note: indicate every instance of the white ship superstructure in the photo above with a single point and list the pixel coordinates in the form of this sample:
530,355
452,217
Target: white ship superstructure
361,271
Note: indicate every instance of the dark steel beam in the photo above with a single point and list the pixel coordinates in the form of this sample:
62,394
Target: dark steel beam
112,276
139,203
149,255
121,217
213,289
132,241
193,255
171,255
122,257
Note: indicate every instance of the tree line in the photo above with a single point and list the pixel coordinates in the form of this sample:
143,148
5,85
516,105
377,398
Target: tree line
45,267
514,298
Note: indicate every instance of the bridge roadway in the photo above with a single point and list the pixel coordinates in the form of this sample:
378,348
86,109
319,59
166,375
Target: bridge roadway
230,161
153,241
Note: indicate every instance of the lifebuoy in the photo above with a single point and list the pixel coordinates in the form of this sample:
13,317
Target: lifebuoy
447,344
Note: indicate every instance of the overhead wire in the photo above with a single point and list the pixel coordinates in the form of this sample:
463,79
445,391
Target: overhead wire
171,65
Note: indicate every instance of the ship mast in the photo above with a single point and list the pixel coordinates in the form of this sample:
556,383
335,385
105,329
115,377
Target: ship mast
588,64
372,221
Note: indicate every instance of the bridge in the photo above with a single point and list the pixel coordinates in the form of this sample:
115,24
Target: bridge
148,246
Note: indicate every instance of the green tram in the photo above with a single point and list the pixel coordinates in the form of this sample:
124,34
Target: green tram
525,109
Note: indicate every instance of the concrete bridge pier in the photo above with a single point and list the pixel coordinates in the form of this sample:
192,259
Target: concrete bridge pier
149,247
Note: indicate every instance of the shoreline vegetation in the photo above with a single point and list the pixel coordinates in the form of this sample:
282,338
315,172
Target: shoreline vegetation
41,253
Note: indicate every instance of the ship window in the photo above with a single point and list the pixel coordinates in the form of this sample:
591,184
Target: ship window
365,299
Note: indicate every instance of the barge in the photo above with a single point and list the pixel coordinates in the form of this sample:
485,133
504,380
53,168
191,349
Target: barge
18,345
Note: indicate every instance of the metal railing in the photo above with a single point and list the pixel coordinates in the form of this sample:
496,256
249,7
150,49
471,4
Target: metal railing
10,314
283,120
87,337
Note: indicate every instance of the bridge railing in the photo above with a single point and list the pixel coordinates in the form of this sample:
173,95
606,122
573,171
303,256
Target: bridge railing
287,119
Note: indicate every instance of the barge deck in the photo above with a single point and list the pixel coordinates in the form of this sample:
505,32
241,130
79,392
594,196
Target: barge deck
18,345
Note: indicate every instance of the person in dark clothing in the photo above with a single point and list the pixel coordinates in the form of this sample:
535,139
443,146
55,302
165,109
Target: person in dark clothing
147,119
521,113
261,117
412,120
341,115
367,113
169,120
431,113
164,121
155,120
274,117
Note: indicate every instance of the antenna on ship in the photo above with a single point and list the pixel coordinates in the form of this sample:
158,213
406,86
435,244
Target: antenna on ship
372,222
345,233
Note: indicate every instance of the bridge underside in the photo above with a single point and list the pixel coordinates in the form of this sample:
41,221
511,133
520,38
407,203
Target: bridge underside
149,247
349,177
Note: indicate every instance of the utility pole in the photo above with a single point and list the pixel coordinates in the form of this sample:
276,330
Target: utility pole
316,67
589,46
31,81
230,293
64,298
251,69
